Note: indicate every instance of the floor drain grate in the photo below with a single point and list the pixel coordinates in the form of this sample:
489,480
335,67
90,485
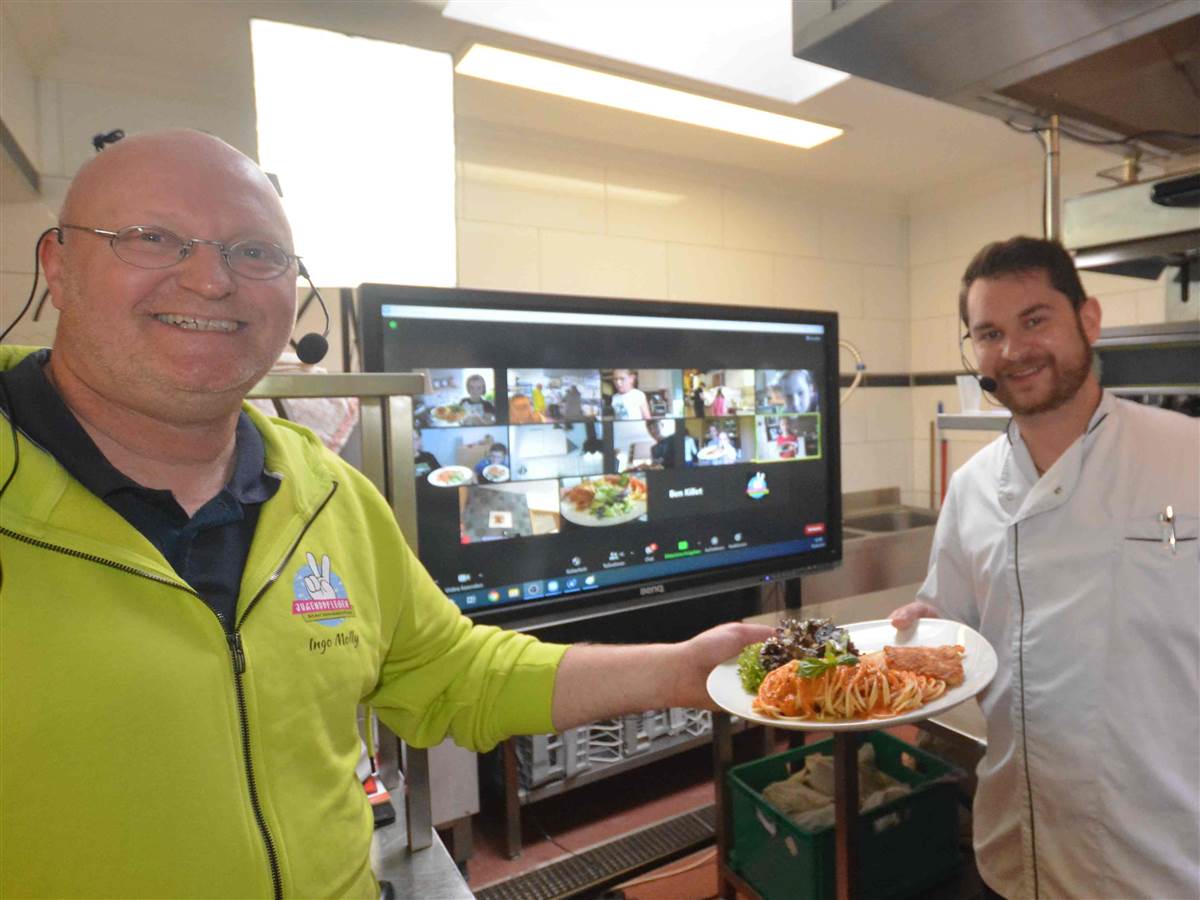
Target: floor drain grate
611,862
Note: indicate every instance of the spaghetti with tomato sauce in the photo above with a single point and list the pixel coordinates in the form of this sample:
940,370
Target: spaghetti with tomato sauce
868,690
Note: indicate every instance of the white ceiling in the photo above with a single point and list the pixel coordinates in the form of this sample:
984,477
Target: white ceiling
746,46
896,143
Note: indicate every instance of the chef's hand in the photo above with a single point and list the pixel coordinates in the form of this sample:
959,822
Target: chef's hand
906,616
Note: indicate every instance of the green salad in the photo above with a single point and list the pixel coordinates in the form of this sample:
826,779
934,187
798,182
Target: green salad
611,500
750,667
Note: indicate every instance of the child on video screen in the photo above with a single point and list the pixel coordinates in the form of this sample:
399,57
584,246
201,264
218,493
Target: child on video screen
787,441
424,462
628,402
521,411
497,455
719,403
479,410
720,450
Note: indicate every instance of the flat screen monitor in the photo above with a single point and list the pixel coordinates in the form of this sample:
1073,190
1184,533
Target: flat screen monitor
579,453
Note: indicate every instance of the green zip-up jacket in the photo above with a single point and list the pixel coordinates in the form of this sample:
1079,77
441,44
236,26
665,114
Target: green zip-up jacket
146,750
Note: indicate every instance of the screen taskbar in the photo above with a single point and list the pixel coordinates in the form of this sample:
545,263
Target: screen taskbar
476,597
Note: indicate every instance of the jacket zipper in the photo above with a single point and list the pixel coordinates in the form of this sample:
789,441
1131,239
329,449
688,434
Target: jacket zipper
237,656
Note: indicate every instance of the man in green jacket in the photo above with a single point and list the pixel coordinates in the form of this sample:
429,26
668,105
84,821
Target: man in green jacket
174,722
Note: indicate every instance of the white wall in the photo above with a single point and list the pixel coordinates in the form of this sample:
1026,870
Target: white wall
543,214
18,91
20,222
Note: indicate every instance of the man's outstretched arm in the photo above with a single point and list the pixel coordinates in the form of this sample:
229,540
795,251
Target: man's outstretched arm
597,681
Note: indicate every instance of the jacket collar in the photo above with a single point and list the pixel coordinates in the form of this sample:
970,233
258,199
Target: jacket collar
44,502
1021,492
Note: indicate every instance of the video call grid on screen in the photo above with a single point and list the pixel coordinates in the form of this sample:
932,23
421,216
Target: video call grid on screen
674,422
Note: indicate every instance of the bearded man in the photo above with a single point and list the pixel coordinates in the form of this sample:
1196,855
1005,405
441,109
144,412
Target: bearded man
1070,542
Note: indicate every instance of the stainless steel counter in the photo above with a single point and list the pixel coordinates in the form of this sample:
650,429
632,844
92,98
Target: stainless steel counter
422,873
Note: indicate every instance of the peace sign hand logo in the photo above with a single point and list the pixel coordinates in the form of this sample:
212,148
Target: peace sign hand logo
317,583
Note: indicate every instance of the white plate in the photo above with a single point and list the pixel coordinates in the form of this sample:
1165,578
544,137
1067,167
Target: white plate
495,472
450,414
439,477
979,666
585,517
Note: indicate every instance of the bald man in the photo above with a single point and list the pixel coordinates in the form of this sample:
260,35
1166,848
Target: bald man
196,598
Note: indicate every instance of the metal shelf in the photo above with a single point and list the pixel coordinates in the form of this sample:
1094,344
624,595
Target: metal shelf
1157,334
664,746
515,796
973,421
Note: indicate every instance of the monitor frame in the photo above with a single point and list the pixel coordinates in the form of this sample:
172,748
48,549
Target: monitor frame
672,595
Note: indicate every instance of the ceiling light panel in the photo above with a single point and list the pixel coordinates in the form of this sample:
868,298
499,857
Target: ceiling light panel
745,46
591,86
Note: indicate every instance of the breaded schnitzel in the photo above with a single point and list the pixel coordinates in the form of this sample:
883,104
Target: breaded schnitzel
943,662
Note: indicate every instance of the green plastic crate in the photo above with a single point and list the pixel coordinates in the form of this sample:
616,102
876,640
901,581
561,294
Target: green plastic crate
904,846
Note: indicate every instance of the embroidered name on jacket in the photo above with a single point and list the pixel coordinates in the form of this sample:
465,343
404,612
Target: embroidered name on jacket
319,594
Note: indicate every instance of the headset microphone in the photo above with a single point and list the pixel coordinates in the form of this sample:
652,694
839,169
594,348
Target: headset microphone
312,347
986,382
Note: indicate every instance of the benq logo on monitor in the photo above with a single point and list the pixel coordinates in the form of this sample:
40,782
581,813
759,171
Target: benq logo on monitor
652,589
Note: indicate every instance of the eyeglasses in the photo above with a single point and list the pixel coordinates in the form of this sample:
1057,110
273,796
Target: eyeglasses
155,247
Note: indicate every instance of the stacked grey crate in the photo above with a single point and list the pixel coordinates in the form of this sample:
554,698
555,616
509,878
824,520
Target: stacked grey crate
546,758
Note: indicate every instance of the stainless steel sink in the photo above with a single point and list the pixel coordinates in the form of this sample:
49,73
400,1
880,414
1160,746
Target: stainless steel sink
885,544
890,520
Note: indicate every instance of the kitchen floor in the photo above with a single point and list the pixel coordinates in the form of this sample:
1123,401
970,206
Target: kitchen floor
554,828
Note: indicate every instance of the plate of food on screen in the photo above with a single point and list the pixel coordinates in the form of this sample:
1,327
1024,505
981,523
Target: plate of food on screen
449,414
813,675
495,473
604,500
451,476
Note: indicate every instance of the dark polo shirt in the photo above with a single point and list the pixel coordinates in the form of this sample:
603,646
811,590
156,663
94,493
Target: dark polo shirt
207,550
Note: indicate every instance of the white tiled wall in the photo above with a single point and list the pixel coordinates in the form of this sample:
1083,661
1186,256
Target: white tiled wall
546,215
20,224
18,92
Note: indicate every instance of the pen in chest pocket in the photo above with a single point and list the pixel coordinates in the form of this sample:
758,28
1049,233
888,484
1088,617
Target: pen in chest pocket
1167,518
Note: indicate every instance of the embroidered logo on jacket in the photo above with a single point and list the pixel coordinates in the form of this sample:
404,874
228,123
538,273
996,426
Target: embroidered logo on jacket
320,595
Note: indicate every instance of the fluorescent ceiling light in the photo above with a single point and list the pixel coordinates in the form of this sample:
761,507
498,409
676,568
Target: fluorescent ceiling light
564,80
744,45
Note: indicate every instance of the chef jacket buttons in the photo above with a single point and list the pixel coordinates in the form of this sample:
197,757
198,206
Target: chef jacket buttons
1058,490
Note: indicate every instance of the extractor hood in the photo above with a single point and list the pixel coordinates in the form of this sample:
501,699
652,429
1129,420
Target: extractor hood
1137,229
1108,68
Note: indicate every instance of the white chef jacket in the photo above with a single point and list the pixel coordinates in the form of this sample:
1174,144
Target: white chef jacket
1091,783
